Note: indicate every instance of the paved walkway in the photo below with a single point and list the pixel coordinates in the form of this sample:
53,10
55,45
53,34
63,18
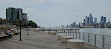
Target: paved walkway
36,40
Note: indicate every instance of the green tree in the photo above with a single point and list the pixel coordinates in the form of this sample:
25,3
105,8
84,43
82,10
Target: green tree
32,24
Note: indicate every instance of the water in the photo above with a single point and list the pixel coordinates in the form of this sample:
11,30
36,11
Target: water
102,31
99,38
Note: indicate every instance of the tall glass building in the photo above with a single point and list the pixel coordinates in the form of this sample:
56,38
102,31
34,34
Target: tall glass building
91,19
13,14
103,20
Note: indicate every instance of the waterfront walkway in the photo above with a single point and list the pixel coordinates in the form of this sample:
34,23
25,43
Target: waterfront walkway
36,40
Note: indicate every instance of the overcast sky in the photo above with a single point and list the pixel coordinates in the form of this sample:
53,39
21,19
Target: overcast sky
50,13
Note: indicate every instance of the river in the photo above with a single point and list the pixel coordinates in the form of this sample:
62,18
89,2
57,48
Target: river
106,43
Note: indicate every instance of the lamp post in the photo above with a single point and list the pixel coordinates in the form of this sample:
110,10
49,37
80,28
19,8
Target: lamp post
27,25
20,24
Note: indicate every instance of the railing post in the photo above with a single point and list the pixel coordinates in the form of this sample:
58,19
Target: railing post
59,31
95,39
76,33
103,41
89,37
64,31
79,35
73,34
83,36
70,32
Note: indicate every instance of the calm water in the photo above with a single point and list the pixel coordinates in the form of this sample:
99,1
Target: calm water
99,38
103,31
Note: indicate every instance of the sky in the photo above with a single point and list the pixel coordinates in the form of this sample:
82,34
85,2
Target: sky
52,13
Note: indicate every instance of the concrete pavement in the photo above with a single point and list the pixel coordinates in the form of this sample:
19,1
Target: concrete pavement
36,40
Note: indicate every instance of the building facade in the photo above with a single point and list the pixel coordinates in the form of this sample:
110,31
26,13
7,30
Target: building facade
103,20
13,15
24,18
95,20
91,19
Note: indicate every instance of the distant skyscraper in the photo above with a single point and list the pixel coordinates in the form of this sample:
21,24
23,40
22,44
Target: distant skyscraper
95,20
86,20
73,24
91,19
103,20
79,24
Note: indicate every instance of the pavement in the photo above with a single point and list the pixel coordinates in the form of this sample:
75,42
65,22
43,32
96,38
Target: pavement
36,40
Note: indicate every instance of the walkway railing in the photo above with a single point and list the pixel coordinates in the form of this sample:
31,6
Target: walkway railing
98,40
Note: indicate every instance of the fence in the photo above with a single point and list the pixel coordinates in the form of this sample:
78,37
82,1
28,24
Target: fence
98,40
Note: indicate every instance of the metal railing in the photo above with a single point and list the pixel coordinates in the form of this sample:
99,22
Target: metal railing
98,40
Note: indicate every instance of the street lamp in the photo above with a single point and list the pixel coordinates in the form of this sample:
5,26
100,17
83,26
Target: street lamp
27,26
20,24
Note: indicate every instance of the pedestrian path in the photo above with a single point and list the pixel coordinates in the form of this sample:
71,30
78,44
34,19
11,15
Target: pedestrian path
35,40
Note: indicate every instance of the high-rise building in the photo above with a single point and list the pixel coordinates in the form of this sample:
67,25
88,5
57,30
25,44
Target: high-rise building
91,19
103,20
10,14
17,13
73,24
13,14
95,20
24,18
79,24
86,20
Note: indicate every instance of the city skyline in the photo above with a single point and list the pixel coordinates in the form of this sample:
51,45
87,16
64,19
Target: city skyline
49,13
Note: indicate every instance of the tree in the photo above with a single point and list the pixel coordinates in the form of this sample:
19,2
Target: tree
32,24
